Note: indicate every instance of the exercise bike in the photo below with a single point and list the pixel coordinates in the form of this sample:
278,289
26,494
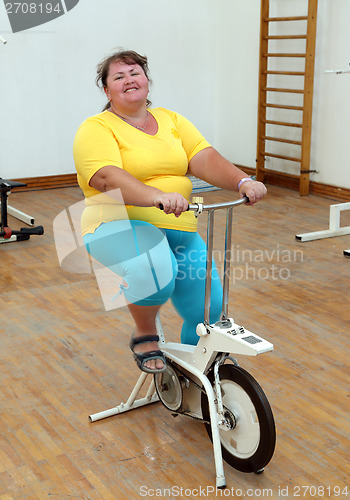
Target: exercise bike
206,383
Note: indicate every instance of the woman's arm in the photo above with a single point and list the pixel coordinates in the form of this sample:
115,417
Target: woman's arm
212,167
135,192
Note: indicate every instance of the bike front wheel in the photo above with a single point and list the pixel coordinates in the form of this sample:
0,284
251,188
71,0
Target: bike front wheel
249,442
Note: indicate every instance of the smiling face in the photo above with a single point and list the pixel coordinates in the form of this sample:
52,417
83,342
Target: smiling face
126,86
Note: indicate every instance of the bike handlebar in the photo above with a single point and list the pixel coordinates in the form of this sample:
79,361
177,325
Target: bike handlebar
199,207
214,206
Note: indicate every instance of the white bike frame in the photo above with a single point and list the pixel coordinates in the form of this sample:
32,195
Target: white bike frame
225,336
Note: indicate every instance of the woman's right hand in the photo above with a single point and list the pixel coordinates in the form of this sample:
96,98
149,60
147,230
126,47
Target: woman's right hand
171,203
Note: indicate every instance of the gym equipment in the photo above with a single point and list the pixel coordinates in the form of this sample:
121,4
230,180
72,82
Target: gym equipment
199,383
334,227
6,233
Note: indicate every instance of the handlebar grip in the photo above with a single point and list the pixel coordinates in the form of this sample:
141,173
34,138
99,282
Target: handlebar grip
38,230
161,207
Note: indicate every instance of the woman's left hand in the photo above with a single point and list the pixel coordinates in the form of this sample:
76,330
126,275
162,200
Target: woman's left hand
254,190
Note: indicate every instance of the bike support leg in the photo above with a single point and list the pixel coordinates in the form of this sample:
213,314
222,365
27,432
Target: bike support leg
132,402
219,466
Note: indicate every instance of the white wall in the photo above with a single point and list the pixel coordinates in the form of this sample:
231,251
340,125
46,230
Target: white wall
331,115
47,74
237,29
203,57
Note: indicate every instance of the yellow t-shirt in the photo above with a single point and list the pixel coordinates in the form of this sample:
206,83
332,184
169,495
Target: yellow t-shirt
160,161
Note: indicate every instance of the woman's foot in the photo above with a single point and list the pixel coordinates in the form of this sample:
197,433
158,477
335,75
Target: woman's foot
146,352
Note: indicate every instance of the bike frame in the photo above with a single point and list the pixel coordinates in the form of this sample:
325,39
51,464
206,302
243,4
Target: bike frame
216,342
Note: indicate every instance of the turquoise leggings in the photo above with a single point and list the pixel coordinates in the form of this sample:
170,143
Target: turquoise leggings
158,264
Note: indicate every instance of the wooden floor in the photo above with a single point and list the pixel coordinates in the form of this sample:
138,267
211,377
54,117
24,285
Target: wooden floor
64,357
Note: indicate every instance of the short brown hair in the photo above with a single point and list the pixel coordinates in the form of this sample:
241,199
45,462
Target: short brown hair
127,56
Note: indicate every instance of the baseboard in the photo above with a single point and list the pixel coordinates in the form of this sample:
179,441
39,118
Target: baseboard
274,178
47,182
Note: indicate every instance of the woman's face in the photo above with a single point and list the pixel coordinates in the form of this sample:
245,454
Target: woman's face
127,86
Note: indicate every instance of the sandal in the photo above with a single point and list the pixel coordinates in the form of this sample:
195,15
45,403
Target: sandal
142,357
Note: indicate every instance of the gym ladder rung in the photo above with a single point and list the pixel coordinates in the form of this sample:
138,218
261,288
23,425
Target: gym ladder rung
291,73
274,89
282,106
294,18
285,37
282,157
279,139
285,54
284,124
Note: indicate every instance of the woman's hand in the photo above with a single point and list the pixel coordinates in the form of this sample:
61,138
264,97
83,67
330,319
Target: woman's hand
172,203
254,190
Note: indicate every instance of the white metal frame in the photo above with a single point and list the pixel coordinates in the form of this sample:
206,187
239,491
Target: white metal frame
27,219
334,225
